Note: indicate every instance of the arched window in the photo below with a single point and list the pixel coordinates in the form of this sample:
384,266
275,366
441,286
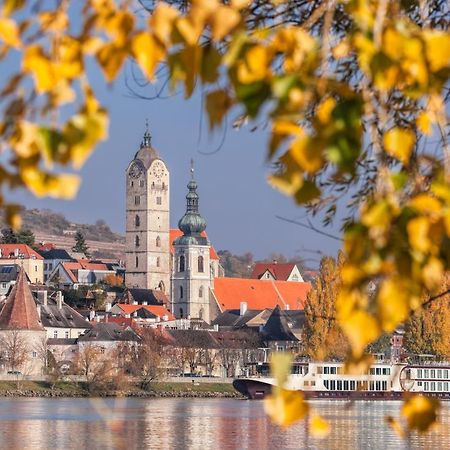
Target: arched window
158,241
200,292
181,313
136,261
153,185
200,264
181,291
137,221
158,261
200,314
162,286
136,241
181,264
141,183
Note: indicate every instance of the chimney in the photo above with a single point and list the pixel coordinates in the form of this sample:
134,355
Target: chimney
145,302
243,308
59,299
45,298
16,252
216,327
165,317
134,302
107,307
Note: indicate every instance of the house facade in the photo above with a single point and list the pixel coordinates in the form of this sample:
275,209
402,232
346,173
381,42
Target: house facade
24,256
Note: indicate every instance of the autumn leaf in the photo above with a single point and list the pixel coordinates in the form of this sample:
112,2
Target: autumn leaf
424,122
223,21
9,32
319,427
393,303
162,21
307,155
399,143
420,412
35,61
418,230
217,105
286,407
111,59
148,53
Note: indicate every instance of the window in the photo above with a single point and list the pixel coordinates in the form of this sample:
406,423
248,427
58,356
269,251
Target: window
433,373
50,266
419,373
439,373
35,268
158,200
136,241
131,183
378,370
137,221
66,335
141,183
55,334
181,291
200,264
137,200
136,261
181,263
200,292
181,312
45,266
295,277
158,261
34,354
4,285
425,371
163,185
158,241
339,385
345,385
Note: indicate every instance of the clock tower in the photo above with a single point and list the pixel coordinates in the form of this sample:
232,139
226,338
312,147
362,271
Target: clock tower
147,220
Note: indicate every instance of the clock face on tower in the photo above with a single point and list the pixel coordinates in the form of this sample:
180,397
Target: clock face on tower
158,169
136,170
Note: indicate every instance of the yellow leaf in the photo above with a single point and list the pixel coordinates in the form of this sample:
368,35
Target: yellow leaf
432,273
63,93
83,132
287,182
148,52
24,142
359,365
217,105
393,304
240,4
189,30
12,216
426,204
119,26
162,22
324,110
70,59
223,21
424,123
9,32
55,21
111,58
396,426
286,407
342,50
319,427
420,412
91,45
361,329
36,62
399,142
256,65
437,49
280,367
309,158
64,186
418,229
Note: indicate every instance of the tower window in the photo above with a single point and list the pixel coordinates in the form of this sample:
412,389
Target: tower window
141,183
163,185
181,263
200,292
131,183
137,221
200,264
137,200
136,241
181,313
153,185
136,261
181,291
158,201
158,241
158,261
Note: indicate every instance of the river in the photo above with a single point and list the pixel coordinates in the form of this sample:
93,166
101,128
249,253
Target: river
73,423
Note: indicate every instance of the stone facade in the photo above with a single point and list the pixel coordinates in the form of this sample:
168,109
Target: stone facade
147,220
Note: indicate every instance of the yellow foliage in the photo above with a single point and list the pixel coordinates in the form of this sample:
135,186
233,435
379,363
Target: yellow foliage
420,412
255,66
319,427
217,105
148,53
223,21
399,143
418,233
286,407
162,21
393,303
308,157
9,32
424,123
111,58
437,49
35,61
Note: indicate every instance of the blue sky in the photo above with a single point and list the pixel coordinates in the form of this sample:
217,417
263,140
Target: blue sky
235,199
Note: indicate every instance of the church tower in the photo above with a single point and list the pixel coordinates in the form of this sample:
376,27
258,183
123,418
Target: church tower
192,278
147,220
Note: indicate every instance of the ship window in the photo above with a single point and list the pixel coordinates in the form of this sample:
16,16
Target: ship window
333,385
339,385
439,373
326,370
327,384
425,371
372,371
433,373
419,373
446,386
439,386
333,370
419,383
426,386
433,386
445,373
345,385
384,385
352,385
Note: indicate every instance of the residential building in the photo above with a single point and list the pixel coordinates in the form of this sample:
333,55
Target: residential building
21,330
52,258
8,277
24,256
277,271
142,313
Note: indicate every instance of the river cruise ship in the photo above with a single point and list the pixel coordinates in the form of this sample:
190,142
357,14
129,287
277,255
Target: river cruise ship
383,381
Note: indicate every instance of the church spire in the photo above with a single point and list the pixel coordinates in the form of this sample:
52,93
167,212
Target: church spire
147,138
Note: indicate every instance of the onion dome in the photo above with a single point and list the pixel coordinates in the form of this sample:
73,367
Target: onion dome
147,154
192,224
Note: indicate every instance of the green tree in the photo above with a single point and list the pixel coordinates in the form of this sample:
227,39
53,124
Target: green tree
23,236
323,338
80,244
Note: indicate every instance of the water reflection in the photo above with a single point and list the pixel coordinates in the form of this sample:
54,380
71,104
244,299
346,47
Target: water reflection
196,424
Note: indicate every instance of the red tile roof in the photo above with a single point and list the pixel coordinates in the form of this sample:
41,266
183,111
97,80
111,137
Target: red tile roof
19,311
259,294
279,271
44,246
157,310
175,232
8,251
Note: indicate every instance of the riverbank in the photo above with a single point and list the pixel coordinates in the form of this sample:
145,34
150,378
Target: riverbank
155,390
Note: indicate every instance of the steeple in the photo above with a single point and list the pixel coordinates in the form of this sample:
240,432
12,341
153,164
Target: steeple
147,139
192,224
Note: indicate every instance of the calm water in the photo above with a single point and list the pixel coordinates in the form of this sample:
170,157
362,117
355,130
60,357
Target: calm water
195,424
